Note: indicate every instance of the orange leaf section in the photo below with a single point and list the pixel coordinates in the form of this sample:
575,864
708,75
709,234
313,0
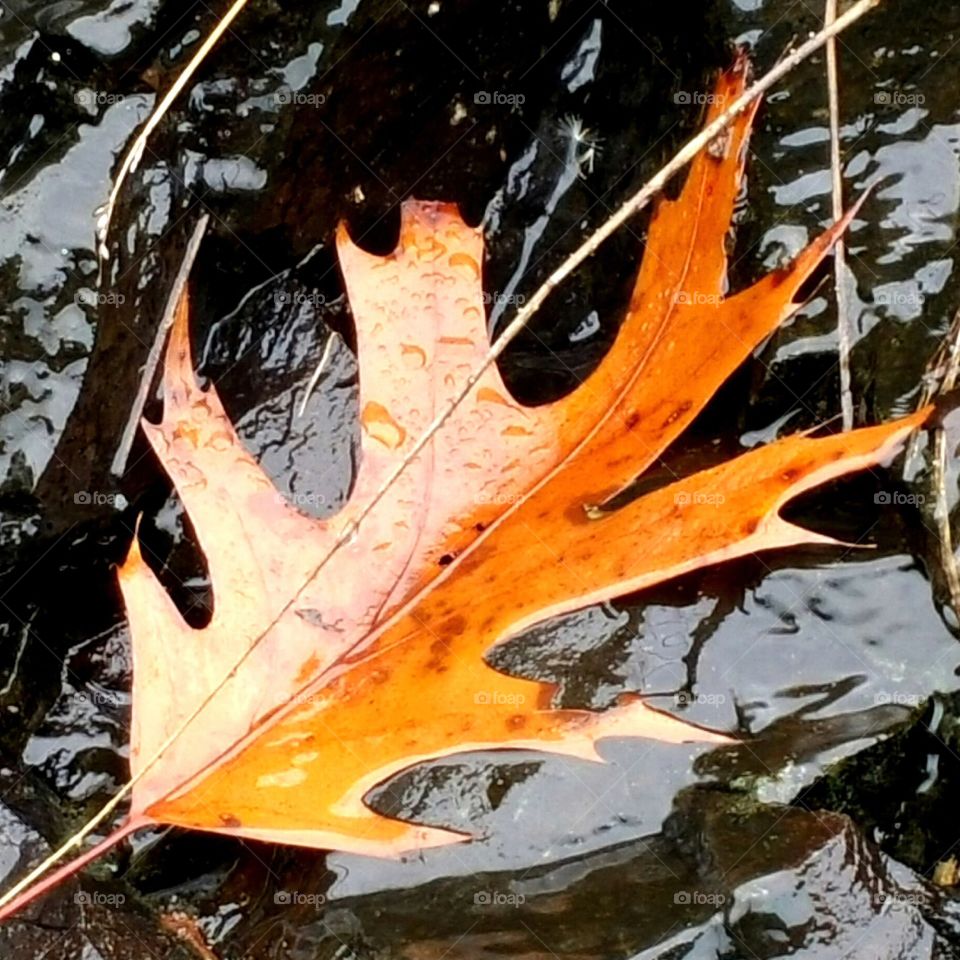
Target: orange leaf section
378,664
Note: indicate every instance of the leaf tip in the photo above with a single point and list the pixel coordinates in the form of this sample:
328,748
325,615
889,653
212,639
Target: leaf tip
133,562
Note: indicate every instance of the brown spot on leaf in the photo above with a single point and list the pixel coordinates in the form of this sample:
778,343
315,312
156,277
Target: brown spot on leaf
441,648
678,412
437,663
777,276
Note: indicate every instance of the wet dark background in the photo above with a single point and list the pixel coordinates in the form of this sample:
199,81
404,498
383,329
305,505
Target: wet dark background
819,837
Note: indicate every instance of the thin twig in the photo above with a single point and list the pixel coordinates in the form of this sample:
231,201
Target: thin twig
315,379
942,374
39,883
941,514
844,337
636,203
135,153
153,358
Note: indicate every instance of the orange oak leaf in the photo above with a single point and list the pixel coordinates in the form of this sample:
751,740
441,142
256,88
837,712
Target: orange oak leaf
379,664
307,688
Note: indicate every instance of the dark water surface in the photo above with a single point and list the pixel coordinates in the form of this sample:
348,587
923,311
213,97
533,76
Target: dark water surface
816,838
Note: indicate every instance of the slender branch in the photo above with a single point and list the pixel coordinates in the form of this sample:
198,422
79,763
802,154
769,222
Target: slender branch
942,374
840,273
156,348
134,155
941,514
32,886
636,203
315,379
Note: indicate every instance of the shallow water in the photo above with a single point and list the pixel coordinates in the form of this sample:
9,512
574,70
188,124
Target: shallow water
662,852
